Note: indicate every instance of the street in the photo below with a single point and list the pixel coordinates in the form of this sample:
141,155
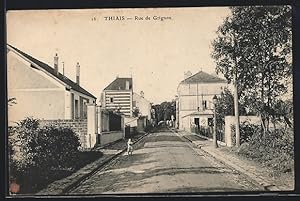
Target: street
164,163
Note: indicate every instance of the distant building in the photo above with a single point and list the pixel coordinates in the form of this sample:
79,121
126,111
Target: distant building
143,105
118,95
41,91
194,104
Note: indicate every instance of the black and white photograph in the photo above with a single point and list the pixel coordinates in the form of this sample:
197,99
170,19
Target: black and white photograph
147,101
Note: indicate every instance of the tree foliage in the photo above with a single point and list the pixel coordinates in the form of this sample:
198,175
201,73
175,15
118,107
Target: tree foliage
11,101
225,106
254,43
165,110
136,112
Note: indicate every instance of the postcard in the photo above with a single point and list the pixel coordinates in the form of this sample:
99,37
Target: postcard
150,101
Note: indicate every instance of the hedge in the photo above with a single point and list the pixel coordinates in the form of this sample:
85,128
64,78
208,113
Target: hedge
39,155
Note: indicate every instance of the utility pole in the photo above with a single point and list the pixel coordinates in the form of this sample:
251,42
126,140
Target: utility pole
236,101
236,112
215,143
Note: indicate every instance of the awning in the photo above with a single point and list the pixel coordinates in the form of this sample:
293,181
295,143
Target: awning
200,113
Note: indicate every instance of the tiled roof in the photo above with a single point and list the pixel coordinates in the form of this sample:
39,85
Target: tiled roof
51,70
202,77
119,84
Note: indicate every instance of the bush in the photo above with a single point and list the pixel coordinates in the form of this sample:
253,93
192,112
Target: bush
246,132
20,140
35,152
56,147
274,148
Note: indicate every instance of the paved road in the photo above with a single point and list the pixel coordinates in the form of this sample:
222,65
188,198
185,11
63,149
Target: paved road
164,163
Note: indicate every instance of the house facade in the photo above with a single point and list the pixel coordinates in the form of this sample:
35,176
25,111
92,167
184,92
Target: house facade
143,105
194,104
118,95
41,91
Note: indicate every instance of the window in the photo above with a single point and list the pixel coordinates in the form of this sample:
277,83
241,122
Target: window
76,110
204,104
111,99
84,108
72,106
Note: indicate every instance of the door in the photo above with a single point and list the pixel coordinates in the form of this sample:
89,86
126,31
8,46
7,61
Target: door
197,123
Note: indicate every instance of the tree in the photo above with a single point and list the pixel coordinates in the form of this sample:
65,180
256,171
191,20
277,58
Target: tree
11,101
136,112
165,110
225,107
255,43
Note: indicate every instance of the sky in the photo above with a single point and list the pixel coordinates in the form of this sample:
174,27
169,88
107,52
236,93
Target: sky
154,52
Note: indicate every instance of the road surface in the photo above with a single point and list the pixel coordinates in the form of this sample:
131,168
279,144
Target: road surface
164,163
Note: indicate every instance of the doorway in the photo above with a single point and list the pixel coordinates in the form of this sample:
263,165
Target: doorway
197,123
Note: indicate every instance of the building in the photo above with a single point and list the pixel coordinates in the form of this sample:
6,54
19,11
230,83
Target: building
118,95
143,105
41,91
194,102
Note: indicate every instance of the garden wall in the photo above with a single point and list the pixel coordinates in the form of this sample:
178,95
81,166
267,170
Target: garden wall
108,137
79,126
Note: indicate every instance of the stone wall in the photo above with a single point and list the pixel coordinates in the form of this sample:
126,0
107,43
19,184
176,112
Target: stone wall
79,126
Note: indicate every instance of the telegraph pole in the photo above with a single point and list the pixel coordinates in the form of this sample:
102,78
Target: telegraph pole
215,143
236,100
236,112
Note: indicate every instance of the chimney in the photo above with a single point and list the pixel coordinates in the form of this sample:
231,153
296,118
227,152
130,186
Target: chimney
187,74
127,85
77,73
56,63
63,68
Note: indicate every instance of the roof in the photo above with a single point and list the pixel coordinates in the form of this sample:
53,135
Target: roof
119,84
51,70
202,77
136,94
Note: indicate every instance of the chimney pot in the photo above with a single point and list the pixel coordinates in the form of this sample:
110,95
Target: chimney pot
56,63
78,73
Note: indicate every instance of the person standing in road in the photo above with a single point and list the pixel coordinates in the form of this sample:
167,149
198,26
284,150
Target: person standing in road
129,147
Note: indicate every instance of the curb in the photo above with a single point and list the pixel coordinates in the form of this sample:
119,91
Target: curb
88,175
